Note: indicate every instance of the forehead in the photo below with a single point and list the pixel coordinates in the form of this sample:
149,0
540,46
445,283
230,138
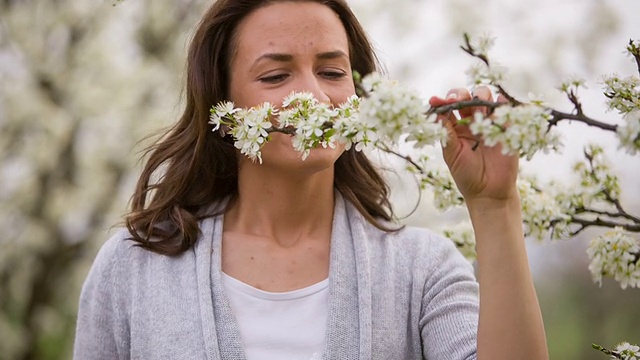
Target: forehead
292,27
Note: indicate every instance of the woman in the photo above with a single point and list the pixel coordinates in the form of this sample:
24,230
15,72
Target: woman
225,258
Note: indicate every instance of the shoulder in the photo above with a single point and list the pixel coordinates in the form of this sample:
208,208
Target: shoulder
119,249
112,260
118,244
416,242
121,253
419,254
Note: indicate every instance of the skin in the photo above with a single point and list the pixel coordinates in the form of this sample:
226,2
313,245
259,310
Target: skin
510,322
277,235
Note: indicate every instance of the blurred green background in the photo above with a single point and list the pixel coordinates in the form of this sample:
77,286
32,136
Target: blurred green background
83,81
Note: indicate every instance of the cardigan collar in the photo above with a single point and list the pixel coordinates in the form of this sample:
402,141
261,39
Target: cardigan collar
349,310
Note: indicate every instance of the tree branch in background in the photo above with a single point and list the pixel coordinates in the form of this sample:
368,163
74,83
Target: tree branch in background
634,50
470,49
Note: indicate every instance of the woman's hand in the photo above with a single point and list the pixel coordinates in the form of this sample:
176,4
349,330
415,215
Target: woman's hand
510,322
481,172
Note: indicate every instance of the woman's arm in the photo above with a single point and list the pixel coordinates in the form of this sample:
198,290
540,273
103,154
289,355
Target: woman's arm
101,328
510,322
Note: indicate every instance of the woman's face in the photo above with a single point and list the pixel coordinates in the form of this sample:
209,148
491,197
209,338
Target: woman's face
291,46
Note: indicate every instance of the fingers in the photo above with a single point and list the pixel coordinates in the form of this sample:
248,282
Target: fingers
462,94
450,119
454,95
481,93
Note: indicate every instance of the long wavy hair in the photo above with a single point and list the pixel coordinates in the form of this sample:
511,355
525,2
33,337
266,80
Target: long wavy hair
189,168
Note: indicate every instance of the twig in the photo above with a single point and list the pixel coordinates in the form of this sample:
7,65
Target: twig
585,223
634,50
608,196
407,158
559,116
573,97
619,214
606,351
468,48
287,130
442,109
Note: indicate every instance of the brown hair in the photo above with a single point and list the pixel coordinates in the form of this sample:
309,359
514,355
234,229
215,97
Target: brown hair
196,168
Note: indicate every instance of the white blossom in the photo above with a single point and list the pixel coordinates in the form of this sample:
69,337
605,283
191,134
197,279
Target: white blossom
537,99
350,130
615,254
572,83
520,130
445,192
623,94
312,128
222,114
250,131
480,73
314,124
596,180
542,214
629,132
463,237
482,44
627,351
393,110
299,100
296,107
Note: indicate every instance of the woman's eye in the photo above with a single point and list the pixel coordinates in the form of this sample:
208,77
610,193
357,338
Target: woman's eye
273,79
333,74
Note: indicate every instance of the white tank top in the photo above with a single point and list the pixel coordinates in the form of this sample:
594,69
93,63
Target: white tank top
279,325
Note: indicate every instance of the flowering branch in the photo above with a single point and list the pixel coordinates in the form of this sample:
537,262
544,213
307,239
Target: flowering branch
602,223
480,52
387,114
608,191
443,109
595,174
634,50
446,193
623,351
558,116
620,214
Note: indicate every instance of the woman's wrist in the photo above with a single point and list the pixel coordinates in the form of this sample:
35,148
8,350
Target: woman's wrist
496,223
482,204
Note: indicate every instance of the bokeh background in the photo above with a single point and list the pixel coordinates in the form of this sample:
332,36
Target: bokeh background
82,82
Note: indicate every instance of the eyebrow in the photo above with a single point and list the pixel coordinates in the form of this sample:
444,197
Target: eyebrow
331,55
283,57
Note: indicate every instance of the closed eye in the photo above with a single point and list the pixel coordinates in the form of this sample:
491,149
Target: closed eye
333,75
274,79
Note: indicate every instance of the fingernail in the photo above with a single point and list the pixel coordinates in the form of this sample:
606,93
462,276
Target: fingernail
452,96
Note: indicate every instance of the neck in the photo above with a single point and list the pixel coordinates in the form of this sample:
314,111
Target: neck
282,206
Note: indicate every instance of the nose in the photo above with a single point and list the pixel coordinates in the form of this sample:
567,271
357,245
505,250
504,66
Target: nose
311,83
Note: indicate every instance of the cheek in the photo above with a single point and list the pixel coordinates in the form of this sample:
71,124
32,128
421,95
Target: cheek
340,95
242,90
249,95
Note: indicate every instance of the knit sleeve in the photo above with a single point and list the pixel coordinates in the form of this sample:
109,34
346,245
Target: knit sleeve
450,306
102,330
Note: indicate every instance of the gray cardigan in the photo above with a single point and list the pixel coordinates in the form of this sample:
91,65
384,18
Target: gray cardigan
403,295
